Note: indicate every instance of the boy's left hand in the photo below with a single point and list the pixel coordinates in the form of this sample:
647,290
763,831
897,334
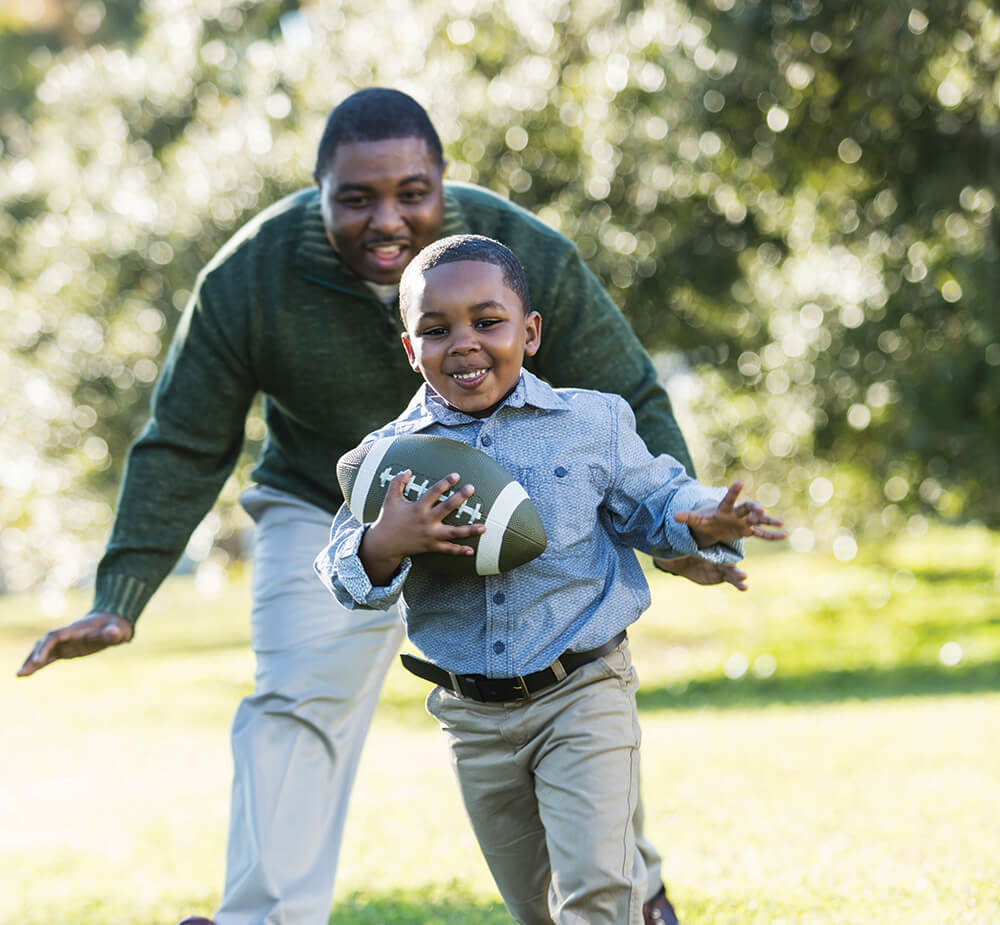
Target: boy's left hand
731,521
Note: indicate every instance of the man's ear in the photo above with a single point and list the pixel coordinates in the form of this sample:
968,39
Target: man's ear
532,333
410,355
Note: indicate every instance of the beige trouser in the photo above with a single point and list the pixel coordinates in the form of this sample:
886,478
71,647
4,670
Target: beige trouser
297,739
551,785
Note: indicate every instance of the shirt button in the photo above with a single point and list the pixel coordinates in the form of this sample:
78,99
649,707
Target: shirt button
499,597
560,471
498,647
487,440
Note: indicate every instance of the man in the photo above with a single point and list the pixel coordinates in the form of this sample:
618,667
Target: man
300,305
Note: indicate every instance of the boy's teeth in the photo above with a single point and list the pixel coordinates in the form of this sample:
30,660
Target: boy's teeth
472,375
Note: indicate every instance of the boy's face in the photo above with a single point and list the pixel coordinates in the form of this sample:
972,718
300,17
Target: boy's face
382,202
467,334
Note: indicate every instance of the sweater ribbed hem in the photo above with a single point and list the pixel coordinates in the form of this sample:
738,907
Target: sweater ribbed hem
124,595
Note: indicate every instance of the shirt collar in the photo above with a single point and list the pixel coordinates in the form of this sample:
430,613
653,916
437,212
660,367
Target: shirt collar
427,407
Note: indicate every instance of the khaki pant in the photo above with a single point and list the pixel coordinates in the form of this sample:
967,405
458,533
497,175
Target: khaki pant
551,785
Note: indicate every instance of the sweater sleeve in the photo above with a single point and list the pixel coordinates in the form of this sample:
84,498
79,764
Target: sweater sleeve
588,343
178,465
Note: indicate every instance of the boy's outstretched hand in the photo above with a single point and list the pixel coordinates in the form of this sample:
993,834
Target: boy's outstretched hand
731,521
406,528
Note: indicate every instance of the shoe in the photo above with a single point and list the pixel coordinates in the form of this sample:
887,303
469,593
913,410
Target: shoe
657,911
195,920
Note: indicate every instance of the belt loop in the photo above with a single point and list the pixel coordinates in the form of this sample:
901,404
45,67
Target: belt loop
558,670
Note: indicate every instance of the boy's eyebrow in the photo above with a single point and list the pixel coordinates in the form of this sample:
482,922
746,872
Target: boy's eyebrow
479,306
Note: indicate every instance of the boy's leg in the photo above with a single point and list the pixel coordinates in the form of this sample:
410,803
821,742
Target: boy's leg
556,777
587,787
495,780
651,858
297,740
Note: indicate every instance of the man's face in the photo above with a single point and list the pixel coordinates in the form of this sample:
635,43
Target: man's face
467,334
382,202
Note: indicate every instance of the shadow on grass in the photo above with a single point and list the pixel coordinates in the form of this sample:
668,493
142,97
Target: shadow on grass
824,687
424,906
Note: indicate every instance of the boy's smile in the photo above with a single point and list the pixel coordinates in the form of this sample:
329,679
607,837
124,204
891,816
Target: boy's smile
467,334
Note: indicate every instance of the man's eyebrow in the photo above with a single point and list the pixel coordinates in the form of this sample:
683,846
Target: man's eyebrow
368,187
415,178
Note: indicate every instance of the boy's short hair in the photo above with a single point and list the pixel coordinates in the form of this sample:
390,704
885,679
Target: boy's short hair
375,114
458,247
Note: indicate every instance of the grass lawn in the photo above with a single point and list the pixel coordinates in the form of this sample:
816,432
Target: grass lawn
821,749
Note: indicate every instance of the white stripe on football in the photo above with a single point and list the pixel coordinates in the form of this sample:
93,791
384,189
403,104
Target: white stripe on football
514,532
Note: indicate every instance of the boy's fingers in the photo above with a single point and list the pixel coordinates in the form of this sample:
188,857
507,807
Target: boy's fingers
434,495
397,486
454,549
732,493
458,498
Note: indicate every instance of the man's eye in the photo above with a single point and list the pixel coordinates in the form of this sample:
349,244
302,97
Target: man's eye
412,196
351,202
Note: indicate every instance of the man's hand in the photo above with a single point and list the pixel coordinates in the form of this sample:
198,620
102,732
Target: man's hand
730,521
89,634
406,528
703,572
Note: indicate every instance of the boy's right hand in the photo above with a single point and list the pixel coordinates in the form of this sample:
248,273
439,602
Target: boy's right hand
407,528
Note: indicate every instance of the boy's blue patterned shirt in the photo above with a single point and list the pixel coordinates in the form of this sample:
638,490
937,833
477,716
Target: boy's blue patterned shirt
599,492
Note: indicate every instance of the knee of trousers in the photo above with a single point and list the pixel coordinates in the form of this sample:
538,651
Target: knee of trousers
267,720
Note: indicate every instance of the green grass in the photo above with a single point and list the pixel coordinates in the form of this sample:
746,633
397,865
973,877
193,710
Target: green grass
812,753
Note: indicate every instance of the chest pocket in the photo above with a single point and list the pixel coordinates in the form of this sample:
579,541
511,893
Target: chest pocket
567,496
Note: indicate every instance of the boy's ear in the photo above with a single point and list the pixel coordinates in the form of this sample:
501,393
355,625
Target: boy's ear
532,333
410,355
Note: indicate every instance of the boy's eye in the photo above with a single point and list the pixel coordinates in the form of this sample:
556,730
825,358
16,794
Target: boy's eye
487,322
434,332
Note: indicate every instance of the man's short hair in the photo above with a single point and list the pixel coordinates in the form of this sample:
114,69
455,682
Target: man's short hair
460,247
375,114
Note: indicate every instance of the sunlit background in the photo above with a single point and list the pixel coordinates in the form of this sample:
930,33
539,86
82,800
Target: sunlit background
793,202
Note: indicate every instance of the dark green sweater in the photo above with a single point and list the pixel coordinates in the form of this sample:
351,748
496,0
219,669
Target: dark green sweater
277,312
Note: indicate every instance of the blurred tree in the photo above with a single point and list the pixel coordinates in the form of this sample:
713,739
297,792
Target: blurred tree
796,200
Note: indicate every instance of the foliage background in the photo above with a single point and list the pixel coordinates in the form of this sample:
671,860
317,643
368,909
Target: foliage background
794,203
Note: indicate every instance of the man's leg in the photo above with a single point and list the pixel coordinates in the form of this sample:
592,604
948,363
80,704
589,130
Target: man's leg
297,740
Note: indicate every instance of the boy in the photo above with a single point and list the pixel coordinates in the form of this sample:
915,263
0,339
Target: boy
542,725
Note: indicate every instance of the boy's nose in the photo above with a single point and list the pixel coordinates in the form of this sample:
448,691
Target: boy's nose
464,342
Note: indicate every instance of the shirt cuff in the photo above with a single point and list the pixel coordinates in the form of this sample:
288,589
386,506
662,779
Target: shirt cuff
344,574
696,497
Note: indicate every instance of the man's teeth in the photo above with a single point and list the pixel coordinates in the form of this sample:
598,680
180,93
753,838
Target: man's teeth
387,250
474,374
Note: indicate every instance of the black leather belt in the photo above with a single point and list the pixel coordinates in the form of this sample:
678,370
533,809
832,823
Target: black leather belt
497,690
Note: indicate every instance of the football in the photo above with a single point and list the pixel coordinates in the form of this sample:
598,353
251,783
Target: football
514,532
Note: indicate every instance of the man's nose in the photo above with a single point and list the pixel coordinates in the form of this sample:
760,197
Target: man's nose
386,217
